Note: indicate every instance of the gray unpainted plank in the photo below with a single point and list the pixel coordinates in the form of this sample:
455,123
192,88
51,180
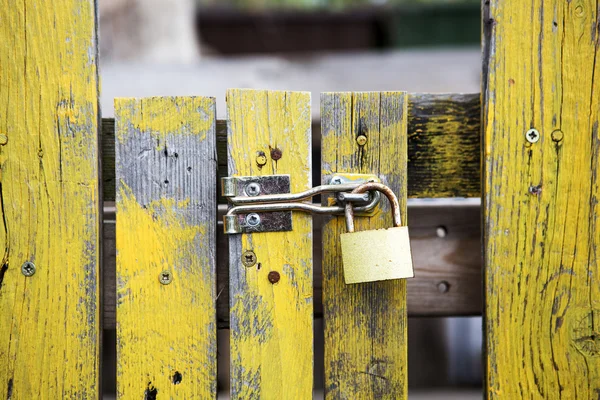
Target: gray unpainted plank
172,175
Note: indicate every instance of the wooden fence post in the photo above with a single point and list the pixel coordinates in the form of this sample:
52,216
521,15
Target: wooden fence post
166,219
271,320
365,324
541,105
49,200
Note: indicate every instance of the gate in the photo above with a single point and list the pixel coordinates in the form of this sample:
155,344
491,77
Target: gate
528,147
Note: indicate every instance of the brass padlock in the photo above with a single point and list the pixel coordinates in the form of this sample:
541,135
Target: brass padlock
378,255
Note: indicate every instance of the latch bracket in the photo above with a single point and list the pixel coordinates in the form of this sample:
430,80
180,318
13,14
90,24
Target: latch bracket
253,186
265,204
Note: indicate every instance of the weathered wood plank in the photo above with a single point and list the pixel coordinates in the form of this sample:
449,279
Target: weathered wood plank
541,199
271,319
49,200
443,146
166,221
365,324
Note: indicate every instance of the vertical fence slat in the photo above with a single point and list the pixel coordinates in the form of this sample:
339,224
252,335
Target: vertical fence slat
166,220
49,322
541,210
365,324
271,324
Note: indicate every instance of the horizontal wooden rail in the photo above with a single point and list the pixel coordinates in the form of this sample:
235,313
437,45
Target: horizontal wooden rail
443,147
446,247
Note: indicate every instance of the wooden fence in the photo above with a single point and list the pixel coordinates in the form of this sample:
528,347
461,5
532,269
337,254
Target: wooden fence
175,279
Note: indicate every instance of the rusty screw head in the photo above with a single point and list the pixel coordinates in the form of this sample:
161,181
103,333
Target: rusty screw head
248,258
361,140
165,277
276,154
274,277
28,268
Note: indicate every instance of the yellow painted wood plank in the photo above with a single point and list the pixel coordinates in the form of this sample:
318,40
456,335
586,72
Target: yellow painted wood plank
49,322
166,212
365,324
541,218
271,324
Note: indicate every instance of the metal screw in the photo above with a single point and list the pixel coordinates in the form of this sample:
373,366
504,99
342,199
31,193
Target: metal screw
532,135
248,258
28,268
261,159
274,277
165,277
361,140
557,135
336,180
3,140
443,287
253,189
535,190
252,219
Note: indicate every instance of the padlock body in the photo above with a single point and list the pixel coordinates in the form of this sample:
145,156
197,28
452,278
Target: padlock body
377,255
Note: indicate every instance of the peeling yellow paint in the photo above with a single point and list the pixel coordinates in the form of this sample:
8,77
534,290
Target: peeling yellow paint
271,324
159,326
541,200
49,335
161,118
166,333
365,324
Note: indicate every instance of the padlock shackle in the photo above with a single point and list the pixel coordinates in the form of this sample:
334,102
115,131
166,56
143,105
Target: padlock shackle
369,186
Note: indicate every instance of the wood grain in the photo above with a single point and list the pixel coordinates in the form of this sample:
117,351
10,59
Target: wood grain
166,221
49,200
271,323
443,146
541,199
448,272
365,324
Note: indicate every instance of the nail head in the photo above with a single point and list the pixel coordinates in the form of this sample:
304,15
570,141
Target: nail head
261,159
274,277
557,135
443,287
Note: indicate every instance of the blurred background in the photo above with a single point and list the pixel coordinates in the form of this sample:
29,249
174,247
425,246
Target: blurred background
203,47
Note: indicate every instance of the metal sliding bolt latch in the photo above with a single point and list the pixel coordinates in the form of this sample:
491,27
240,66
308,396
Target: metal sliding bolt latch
265,204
